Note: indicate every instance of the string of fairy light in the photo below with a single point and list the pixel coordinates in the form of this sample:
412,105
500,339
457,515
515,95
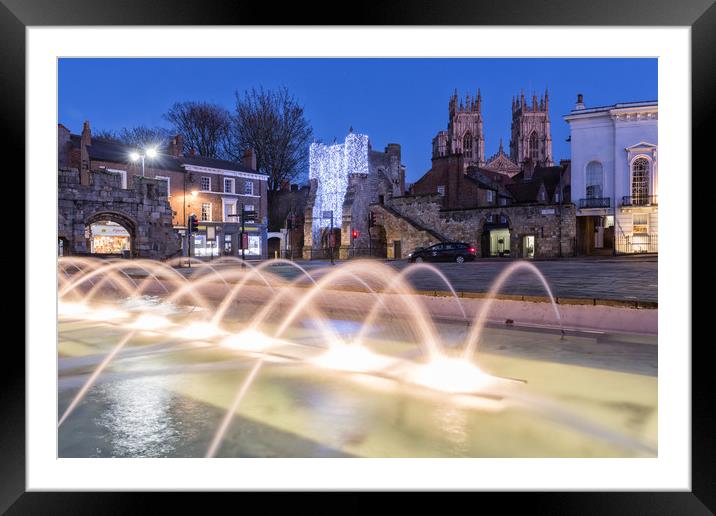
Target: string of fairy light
331,166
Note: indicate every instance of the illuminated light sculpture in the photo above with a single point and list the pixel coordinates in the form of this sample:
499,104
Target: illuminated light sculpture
331,166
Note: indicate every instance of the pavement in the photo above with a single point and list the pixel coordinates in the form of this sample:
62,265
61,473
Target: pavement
628,278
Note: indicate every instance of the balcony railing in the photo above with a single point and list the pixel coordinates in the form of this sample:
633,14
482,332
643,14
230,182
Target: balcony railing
641,200
594,202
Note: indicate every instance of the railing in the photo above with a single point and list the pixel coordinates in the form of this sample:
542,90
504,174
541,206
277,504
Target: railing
594,202
637,243
353,252
640,200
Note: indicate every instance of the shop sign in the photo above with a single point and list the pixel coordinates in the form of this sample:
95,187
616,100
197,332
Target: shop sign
549,211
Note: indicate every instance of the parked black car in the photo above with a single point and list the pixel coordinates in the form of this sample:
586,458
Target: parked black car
446,252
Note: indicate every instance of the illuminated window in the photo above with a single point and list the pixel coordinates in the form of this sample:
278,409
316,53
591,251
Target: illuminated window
441,190
490,196
640,223
206,211
206,184
640,181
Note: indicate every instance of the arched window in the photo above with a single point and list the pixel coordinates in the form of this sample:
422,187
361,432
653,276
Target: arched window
595,180
640,181
467,143
534,146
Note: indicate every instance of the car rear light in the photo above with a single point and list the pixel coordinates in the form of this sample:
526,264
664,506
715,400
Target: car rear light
472,250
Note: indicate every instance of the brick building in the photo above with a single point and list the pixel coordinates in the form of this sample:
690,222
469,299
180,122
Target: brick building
215,190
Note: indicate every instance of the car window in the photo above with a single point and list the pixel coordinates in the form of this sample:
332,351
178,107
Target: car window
448,247
438,247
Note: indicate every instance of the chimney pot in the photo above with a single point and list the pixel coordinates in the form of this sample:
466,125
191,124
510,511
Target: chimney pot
249,159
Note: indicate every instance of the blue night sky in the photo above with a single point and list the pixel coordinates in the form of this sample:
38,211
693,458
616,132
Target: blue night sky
392,100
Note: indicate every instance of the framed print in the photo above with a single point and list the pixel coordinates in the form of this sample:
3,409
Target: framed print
417,252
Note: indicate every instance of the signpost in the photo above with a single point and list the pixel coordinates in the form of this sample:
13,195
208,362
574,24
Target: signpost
331,236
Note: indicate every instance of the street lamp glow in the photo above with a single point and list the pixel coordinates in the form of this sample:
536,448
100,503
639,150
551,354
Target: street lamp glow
148,153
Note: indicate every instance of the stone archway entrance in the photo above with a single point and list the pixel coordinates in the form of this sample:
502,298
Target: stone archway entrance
109,233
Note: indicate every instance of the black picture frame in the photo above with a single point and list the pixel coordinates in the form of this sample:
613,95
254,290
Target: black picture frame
700,15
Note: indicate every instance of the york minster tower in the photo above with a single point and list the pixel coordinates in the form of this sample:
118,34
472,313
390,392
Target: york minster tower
531,134
464,135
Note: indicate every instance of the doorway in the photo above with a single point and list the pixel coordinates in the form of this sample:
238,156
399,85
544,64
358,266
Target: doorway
528,246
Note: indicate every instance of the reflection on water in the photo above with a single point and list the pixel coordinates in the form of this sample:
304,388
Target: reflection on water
138,418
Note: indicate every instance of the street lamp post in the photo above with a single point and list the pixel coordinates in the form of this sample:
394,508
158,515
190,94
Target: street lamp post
148,153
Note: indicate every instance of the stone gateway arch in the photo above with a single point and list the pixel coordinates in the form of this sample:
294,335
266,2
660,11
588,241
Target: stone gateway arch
143,212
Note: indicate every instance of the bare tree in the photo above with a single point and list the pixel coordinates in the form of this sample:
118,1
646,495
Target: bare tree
272,123
203,126
140,136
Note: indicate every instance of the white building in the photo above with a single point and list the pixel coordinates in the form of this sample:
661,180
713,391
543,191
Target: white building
614,181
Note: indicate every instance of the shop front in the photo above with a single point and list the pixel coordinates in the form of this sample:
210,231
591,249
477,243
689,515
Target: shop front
107,237
225,239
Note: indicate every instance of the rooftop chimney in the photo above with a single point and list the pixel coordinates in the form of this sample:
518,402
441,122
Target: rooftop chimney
86,138
176,147
249,159
580,102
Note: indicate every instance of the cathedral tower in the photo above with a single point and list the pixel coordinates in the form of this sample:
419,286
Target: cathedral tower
531,133
464,134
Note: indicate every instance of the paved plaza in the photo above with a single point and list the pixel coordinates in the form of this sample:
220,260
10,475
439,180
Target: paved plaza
620,278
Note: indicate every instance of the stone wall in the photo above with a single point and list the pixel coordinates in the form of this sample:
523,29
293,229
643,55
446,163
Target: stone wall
143,211
419,221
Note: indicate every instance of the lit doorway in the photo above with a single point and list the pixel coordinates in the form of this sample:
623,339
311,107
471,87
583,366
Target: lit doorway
528,246
500,242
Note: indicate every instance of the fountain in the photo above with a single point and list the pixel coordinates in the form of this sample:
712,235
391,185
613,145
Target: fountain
276,327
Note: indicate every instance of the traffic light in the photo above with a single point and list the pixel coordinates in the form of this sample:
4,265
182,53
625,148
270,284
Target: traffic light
355,234
193,224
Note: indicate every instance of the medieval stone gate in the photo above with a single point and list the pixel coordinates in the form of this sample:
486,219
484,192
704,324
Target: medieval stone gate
143,211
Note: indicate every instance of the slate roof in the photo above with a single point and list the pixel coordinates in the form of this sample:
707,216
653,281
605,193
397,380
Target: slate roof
114,152
524,191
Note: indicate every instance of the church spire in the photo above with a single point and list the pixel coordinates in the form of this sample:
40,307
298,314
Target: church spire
546,99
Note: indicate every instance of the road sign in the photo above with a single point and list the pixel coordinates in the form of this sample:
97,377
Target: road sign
327,214
332,240
245,241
